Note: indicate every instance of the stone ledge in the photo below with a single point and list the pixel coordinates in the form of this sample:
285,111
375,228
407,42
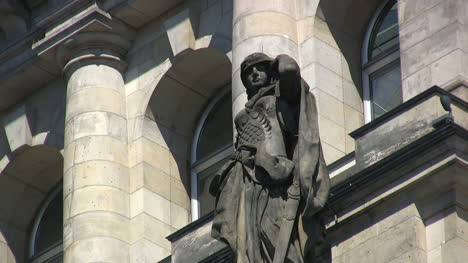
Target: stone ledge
405,124
377,171
433,91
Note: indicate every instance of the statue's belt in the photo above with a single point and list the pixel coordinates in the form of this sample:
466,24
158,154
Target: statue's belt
245,156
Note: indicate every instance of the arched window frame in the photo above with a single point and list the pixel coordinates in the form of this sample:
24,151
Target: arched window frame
197,166
370,66
54,250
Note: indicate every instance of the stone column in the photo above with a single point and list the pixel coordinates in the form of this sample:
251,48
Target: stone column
267,26
96,199
434,46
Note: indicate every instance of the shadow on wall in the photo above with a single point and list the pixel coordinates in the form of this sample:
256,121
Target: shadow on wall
24,184
182,33
178,101
39,121
348,21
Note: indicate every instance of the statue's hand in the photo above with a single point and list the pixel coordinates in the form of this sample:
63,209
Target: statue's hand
279,168
285,64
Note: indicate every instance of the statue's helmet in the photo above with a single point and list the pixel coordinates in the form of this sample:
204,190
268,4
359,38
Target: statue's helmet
251,60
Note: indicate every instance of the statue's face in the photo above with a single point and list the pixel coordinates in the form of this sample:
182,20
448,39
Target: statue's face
257,77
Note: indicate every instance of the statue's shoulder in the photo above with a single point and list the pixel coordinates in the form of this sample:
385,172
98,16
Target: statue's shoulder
241,118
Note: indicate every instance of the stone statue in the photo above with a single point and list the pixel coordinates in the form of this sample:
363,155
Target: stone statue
269,192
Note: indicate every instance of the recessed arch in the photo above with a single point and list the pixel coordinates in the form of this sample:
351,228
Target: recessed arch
347,22
24,184
176,104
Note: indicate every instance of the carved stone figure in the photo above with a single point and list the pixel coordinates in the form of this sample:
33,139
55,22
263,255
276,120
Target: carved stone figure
269,192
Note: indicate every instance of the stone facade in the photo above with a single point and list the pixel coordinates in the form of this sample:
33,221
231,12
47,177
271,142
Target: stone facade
102,99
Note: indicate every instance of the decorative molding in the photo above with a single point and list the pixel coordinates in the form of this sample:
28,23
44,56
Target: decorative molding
380,169
224,255
91,35
433,91
190,227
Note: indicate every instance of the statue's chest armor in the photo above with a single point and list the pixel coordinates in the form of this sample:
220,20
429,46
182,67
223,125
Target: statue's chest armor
259,126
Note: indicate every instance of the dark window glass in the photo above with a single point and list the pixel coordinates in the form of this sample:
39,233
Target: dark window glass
385,89
385,32
50,230
217,129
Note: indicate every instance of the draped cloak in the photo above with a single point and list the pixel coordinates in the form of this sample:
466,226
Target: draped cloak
248,214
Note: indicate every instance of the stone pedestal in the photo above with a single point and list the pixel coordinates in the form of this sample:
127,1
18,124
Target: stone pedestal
96,200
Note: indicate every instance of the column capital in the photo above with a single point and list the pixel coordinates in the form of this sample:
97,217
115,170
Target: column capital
91,36
101,48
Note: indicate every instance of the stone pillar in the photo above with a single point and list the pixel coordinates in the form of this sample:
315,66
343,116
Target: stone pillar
267,26
96,199
434,45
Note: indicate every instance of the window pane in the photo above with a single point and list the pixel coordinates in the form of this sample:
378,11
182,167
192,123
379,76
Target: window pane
50,230
385,33
217,129
386,89
206,200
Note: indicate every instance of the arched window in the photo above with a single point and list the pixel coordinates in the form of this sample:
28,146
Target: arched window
212,145
47,233
381,63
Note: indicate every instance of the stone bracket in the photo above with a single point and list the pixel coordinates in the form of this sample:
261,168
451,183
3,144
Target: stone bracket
181,30
17,129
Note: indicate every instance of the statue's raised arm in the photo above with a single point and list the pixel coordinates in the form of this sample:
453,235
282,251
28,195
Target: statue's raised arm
269,192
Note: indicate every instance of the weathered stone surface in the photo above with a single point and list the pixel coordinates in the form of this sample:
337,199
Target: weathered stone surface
329,107
95,99
179,193
264,23
94,76
180,30
17,129
145,201
99,198
101,224
245,7
433,39
418,81
99,123
100,148
179,216
90,250
353,119
413,31
332,133
389,245
100,173
270,45
371,148
196,245
329,82
147,227
351,96
144,251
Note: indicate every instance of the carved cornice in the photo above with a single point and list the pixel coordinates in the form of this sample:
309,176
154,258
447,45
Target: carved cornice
92,48
93,37
41,56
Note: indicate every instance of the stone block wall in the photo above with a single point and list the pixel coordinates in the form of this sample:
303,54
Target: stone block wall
416,224
330,60
176,65
433,43
31,165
